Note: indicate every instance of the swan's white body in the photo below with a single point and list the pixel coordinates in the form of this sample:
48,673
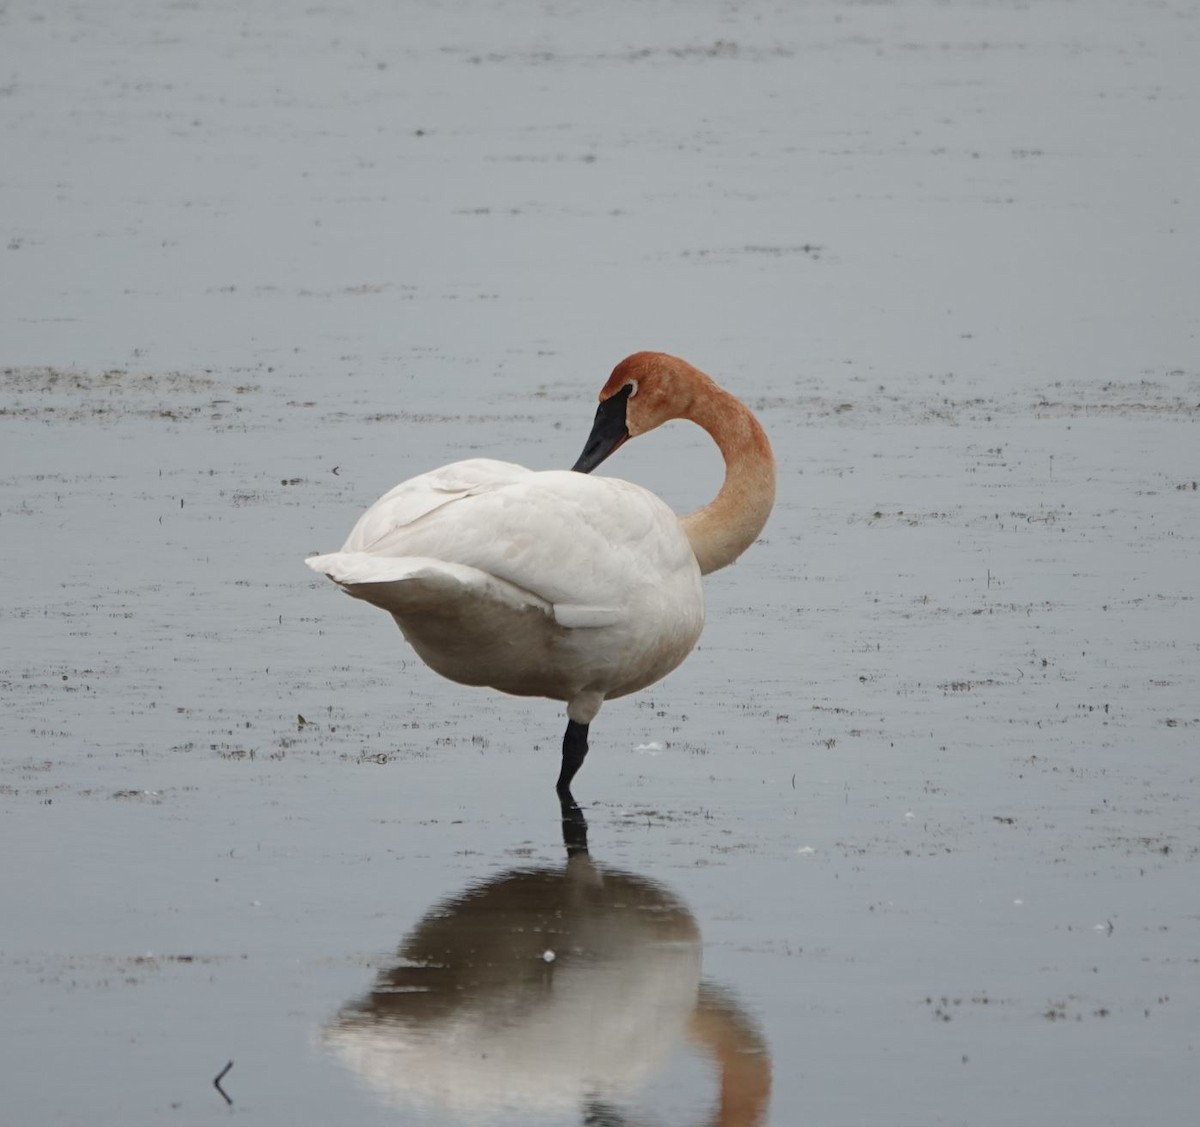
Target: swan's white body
553,583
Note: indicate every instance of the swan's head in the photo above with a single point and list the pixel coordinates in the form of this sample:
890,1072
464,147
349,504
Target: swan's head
644,391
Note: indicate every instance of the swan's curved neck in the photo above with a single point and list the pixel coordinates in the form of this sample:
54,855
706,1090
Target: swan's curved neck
731,521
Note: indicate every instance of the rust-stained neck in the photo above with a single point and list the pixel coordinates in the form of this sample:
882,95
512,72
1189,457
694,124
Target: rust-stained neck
724,528
666,387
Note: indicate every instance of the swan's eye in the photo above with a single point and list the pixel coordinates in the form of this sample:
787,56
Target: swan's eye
631,388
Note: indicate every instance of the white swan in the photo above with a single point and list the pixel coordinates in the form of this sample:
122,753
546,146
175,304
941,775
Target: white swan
553,583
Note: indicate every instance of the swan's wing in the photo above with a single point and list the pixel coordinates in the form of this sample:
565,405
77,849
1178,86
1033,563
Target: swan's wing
413,499
590,547
413,584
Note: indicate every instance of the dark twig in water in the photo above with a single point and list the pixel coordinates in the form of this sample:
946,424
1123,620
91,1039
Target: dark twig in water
217,1083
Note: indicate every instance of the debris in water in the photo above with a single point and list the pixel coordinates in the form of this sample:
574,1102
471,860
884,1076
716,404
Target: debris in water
217,1083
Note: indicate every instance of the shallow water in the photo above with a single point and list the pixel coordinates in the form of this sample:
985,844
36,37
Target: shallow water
914,829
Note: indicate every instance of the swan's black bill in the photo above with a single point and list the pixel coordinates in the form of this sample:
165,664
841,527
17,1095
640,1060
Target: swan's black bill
608,431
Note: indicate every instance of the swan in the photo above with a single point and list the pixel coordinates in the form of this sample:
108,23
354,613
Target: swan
555,584
549,991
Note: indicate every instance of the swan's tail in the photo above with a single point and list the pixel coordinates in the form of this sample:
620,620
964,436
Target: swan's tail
414,584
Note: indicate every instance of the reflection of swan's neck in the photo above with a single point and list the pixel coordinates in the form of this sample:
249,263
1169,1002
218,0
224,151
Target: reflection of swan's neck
720,1026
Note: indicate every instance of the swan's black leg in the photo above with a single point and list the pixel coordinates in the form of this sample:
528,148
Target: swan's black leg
575,749
574,825
598,1114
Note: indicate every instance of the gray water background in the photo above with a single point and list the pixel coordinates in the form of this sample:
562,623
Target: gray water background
928,786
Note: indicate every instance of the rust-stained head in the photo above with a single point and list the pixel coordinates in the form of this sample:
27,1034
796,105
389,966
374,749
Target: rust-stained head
644,391
661,388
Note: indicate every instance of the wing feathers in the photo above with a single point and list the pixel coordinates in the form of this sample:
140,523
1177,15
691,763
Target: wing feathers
582,549
420,496
416,584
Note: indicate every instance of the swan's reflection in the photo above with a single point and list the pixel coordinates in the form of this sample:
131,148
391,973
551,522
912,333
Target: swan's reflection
546,989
